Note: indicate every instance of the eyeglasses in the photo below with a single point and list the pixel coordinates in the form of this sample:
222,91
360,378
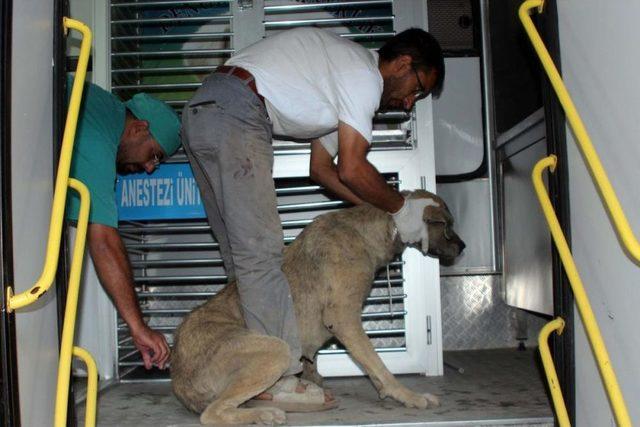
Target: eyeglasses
421,92
156,160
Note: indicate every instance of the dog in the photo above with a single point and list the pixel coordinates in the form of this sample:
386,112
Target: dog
217,364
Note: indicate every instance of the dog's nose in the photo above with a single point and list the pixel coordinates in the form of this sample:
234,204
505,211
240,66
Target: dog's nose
461,245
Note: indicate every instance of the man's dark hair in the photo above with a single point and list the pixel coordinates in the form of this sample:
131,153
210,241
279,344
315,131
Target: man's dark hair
424,50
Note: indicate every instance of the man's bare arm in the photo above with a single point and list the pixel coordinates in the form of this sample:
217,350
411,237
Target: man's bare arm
359,175
114,270
325,172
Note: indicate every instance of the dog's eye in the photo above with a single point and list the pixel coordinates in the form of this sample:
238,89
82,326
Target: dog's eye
446,233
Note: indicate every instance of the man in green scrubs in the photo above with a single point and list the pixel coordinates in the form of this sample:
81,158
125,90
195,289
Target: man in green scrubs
126,137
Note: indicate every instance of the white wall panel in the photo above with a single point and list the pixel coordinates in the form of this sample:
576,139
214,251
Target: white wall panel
527,274
599,49
457,118
32,172
470,205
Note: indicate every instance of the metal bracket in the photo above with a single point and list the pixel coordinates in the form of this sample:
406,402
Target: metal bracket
9,295
245,4
429,330
412,132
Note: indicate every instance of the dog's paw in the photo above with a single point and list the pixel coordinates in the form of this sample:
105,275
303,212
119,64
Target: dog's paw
416,401
421,401
408,398
271,416
432,399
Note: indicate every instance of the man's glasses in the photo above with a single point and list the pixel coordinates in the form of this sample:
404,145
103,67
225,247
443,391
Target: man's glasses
156,160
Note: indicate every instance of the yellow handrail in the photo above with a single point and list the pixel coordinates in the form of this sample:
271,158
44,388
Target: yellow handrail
68,330
552,377
582,301
92,385
582,137
611,202
62,179
63,182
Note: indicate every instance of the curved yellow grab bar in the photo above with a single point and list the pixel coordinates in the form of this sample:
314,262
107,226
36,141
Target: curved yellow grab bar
60,191
584,141
92,385
68,329
550,369
582,301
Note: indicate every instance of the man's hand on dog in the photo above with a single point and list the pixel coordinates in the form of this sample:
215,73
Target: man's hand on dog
411,227
152,345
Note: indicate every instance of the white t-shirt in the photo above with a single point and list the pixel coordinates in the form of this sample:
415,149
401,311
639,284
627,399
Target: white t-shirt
311,79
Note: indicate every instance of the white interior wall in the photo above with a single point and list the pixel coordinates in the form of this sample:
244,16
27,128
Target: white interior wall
459,148
599,50
32,171
82,11
457,118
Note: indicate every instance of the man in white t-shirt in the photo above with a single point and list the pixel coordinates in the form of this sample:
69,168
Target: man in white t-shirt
308,84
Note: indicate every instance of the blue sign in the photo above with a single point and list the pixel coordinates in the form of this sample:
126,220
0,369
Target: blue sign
170,192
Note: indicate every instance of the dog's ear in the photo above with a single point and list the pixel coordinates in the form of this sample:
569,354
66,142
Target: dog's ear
439,213
436,212
422,194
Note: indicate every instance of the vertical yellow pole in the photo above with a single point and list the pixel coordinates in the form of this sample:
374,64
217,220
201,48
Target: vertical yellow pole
66,347
550,369
92,385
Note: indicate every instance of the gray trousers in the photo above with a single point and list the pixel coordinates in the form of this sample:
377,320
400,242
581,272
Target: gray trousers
226,134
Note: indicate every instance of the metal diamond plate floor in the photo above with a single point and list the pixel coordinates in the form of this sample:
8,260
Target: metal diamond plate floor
498,387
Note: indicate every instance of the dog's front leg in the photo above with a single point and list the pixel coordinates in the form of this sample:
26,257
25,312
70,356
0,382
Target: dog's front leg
348,329
310,371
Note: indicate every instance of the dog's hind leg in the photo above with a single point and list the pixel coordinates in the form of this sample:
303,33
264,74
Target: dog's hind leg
255,363
347,327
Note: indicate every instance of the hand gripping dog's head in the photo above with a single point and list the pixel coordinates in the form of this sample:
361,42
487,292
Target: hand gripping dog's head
444,243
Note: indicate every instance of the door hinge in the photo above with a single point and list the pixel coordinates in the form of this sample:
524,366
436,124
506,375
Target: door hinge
423,183
429,330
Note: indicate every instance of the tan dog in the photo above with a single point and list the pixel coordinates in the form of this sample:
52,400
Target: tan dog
217,364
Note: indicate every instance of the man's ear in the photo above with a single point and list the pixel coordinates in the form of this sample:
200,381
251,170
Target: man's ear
139,127
402,64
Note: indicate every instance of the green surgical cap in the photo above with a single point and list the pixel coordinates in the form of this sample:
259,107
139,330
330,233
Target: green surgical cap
163,121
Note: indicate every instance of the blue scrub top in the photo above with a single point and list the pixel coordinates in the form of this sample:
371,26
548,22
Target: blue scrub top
100,126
